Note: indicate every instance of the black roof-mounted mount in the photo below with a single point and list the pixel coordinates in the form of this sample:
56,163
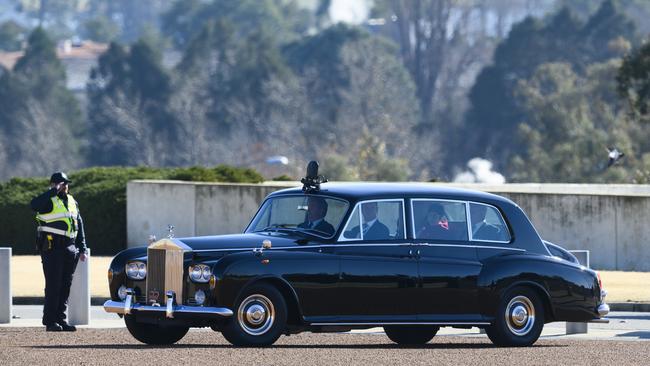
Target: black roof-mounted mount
311,183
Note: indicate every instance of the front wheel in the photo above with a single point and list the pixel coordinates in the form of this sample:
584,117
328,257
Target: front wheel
154,334
519,319
260,319
411,334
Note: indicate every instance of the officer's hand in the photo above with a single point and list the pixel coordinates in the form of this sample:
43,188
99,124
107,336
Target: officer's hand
83,257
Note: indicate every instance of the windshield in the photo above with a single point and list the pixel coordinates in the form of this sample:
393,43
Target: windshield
316,215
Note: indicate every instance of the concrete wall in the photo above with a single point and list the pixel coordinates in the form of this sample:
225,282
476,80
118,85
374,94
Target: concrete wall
609,220
192,208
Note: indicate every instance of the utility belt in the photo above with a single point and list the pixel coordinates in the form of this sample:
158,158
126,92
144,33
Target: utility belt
50,238
51,230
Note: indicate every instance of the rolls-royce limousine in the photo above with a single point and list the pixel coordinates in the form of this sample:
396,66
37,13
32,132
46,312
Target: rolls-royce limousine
410,258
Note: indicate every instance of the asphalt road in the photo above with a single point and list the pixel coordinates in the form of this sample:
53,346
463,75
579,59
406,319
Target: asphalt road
33,346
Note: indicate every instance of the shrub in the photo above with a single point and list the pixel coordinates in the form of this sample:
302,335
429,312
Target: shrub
101,193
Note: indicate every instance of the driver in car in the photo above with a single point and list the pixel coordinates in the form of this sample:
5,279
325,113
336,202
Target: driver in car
315,219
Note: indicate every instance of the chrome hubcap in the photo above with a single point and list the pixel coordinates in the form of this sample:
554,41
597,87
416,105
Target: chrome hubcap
256,314
520,315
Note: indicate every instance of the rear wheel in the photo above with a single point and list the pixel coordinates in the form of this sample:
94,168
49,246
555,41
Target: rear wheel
519,319
411,334
152,333
260,318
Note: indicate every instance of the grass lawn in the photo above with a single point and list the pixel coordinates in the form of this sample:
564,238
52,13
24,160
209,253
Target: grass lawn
27,276
27,280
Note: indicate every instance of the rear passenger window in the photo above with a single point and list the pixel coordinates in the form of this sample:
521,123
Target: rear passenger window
439,220
487,224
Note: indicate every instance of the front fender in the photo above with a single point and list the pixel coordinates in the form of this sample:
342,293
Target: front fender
301,276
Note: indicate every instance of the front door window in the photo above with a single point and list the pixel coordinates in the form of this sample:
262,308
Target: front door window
376,220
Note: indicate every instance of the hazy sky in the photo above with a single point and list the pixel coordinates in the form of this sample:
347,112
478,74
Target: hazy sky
350,11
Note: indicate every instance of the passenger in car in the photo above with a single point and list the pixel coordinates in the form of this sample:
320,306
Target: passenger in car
315,219
373,229
481,230
436,224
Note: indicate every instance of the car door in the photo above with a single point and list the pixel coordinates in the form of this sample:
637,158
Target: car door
448,266
378,278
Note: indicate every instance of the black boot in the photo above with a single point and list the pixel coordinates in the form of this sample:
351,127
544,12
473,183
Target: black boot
67,327
53,328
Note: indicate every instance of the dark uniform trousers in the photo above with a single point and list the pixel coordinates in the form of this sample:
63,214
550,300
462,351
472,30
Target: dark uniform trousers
59,257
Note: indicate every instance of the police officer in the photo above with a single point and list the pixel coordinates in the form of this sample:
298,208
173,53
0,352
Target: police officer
61,243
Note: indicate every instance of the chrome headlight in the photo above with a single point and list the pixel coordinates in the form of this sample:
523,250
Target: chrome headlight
200,273
136,270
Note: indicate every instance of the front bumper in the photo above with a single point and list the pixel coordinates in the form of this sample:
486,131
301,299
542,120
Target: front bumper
170,310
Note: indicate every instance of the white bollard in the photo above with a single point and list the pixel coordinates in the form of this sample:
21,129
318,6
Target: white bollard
573,327
5,286
79,300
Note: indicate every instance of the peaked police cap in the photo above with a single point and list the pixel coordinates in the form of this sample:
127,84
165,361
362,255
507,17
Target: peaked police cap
59,177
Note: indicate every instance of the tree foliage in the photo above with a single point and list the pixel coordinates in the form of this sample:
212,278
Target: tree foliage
531,43
11,36
128,94
634,81
186,18
37,113
571,121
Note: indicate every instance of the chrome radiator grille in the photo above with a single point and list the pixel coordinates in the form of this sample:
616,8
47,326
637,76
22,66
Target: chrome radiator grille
155,276
164,271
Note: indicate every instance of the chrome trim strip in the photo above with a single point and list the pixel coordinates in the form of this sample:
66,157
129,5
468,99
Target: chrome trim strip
468,218
406,323
472,246
365,245
118,307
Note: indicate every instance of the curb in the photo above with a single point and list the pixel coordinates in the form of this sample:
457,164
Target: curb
630,306
39,300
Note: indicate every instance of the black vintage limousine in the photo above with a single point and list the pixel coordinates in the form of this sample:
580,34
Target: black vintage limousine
410,258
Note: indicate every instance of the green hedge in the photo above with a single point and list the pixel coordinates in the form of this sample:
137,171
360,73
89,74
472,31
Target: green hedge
101,193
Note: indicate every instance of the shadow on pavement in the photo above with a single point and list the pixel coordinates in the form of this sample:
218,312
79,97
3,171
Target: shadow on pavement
638,334
645,316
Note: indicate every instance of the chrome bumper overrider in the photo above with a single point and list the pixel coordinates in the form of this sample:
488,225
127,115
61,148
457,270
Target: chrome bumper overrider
170,309
603,309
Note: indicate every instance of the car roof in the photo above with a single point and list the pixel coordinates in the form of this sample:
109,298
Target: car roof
362,190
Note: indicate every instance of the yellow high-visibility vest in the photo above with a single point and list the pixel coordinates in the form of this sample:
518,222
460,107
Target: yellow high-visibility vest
60,213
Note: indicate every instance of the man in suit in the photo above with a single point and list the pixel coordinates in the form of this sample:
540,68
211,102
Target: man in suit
373,229
481,230
316,211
